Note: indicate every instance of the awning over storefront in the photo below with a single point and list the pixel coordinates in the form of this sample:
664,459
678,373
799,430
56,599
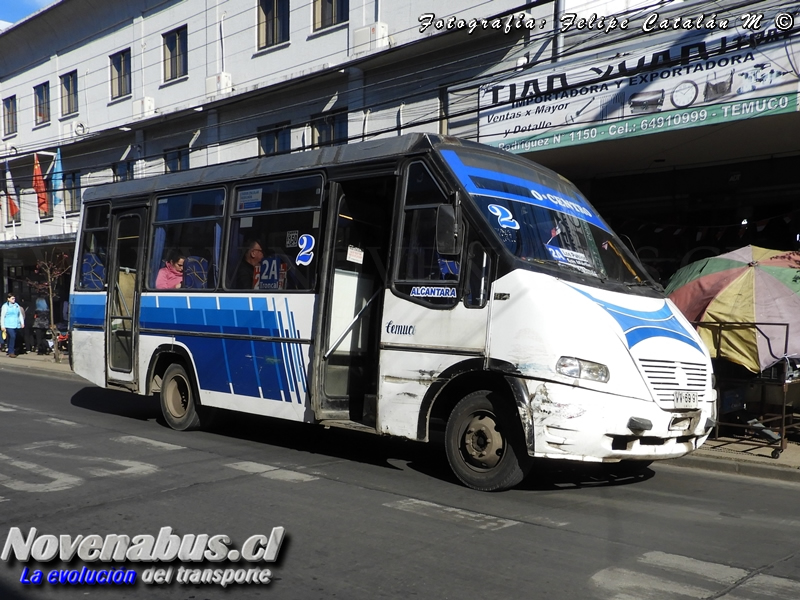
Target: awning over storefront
37,242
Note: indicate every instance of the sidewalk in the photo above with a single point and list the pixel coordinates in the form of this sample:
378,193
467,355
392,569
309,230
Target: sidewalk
31,360
725,454
742,457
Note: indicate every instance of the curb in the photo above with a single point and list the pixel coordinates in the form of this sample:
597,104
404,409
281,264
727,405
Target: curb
739,467
52,368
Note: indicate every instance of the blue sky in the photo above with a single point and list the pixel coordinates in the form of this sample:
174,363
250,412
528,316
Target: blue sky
14,10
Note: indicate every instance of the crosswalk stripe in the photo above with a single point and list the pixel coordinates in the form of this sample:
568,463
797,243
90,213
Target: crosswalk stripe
270,472
54,421
734,583
141,441
454,515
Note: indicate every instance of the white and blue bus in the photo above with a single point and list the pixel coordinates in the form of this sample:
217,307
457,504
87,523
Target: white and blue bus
408,286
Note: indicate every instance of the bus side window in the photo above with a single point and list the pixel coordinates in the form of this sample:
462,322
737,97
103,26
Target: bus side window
188,225
419,265
94,249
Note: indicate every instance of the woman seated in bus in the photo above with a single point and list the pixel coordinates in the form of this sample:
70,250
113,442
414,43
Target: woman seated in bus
170,276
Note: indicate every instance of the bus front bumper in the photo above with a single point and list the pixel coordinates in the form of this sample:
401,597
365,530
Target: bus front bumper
578,424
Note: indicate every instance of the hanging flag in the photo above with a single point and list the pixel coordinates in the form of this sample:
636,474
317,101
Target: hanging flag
57,179
11,193
39,188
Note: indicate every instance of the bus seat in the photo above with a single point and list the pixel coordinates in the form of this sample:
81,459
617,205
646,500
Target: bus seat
449,269
195,272
93,272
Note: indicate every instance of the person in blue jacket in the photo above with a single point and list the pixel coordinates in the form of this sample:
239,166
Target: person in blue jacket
11,319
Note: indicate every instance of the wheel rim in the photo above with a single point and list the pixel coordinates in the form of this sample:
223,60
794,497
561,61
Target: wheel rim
482,445
176,397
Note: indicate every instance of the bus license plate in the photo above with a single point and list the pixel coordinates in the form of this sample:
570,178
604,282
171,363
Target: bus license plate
685,399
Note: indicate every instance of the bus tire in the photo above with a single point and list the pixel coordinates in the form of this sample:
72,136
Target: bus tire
178,399
484,443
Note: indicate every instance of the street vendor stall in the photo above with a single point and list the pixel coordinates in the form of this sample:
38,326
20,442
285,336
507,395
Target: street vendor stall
746,307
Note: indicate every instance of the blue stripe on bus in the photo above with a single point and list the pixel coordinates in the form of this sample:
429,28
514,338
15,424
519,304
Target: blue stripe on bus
87,310
211,374
275,370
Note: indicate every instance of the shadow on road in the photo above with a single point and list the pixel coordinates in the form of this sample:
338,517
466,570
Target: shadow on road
359,447
123,404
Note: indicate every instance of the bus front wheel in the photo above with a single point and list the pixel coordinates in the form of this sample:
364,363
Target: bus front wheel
178,401
484,443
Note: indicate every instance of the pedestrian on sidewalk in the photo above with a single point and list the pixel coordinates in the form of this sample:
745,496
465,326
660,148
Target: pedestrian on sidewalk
11,319
41,322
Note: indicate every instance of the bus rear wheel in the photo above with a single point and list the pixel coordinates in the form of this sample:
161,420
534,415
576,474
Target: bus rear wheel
484,443
178,399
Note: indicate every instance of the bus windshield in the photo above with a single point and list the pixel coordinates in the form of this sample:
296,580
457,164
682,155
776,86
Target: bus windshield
542,219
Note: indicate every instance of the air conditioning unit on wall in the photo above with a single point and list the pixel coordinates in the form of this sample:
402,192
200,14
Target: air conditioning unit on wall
371,37
146,107
221,83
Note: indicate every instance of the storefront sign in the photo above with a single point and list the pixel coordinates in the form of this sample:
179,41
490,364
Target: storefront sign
716,79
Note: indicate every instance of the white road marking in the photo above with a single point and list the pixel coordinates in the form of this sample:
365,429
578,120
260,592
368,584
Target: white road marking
4,408
251,467
271,472
135,439
766,586
54,421
3,499
684,564
130,467
626,584
60,481
287,475
454,515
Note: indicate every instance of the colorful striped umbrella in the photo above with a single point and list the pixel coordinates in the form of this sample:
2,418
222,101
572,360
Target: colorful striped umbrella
746,304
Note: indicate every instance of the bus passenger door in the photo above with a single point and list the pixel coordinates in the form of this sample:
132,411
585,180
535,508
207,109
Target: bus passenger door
356,280
124,284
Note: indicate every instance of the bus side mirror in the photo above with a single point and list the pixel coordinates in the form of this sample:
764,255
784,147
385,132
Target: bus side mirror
448,240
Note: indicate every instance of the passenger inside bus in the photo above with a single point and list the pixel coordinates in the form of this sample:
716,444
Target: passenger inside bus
247,273
170,276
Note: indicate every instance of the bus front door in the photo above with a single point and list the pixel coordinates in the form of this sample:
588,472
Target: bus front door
354,299
124,284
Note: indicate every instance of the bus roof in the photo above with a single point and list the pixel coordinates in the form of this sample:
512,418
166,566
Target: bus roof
283,163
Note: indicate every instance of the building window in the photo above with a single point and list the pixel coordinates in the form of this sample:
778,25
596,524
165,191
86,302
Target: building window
41,94
273,22
274,139
175,54
123,170
10,115
176,160
120,74
69,93
329,130
328,13
72,192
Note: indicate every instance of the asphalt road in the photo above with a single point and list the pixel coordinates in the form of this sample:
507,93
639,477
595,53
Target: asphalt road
367,517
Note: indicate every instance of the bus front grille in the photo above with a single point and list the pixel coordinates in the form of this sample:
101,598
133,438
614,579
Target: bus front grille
666,377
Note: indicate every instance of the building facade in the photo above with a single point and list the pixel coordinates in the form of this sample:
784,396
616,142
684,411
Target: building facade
675,118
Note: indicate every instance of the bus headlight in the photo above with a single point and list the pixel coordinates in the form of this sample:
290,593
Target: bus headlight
582,369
